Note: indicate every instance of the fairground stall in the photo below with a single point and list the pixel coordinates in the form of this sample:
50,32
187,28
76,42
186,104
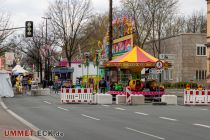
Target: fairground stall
126,70
128,61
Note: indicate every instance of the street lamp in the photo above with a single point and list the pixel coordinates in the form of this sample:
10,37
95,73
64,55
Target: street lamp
97,64
87,54
48,51
110,30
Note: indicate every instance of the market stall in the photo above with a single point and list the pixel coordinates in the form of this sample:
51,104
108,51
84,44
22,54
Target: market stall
128,67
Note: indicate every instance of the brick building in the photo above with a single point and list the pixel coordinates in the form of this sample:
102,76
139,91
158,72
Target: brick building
187,53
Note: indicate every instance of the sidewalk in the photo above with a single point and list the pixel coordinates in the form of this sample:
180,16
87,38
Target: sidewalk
9,123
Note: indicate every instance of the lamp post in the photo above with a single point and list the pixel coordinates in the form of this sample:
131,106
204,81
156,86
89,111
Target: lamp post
110,30
97,64
87,54
48,51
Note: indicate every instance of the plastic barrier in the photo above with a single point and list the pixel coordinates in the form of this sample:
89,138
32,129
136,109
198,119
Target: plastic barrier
128,95
76,95
196,97
208,96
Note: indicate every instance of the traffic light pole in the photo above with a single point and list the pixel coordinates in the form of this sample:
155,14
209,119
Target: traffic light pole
48,52
12,28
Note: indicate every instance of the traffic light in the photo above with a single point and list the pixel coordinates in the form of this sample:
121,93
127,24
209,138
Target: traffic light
29,29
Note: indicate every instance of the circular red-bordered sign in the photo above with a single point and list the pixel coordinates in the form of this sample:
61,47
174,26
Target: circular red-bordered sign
159,64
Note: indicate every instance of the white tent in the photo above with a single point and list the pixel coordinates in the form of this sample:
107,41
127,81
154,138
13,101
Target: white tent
18,70
5,85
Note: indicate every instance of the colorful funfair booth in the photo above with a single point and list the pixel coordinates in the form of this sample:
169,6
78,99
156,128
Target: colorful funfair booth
127,62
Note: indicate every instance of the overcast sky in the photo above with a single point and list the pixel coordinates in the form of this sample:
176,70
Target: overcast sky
22,10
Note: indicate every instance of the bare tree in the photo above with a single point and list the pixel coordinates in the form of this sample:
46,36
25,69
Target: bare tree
142,19
197,22
68,18
150,18
95,31
35,51
4,33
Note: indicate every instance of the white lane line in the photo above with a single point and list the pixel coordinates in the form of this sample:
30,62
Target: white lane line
118,108
29,125
90,117
202,125
141,113
47,102
204,109
151,135
3,105
106,105
63,108
170,119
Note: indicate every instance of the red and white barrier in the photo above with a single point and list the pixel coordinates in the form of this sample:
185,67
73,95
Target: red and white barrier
128,95
196,97
76,95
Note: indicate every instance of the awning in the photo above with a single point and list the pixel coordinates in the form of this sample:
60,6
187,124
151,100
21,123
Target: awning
136,58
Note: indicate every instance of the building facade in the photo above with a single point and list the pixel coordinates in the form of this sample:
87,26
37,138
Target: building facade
208,41
188,55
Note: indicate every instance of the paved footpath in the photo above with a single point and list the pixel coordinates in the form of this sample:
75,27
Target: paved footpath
10,123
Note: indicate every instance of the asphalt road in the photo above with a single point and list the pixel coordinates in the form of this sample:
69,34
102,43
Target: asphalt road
113,122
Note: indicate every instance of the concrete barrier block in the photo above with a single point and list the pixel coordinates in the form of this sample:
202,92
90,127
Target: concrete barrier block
38,92
45,91
104,98
35,92
169,99
137,99
120,99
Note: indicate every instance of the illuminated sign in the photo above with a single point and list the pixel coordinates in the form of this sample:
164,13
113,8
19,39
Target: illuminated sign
122,35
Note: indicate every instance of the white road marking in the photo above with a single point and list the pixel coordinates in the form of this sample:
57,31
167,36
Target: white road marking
106,105
3,105
204,109
47,102
140,113
29,125
170,119
90,117
63,108
118,108
151,135
35,107
202,125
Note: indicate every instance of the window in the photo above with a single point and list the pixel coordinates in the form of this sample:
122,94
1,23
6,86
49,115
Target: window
201,74
201,50
168,74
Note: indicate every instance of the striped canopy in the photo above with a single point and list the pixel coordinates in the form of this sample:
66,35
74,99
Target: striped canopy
136,55
136,58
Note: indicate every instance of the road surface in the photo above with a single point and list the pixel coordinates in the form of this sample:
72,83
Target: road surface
113,122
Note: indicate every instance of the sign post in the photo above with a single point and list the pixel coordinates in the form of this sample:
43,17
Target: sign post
159,66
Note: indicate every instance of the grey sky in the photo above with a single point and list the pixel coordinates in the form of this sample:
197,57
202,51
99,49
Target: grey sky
22,10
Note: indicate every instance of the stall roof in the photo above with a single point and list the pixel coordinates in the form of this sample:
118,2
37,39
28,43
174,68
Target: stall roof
134,59
136,55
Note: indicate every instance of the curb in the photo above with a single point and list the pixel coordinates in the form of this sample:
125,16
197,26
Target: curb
28,124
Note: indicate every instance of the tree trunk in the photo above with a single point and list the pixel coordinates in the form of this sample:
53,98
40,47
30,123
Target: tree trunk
40,68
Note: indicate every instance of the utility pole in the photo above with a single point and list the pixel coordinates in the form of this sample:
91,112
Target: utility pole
48,51
110,30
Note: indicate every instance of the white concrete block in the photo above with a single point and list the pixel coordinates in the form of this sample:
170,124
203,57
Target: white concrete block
45,91
169,99
104,98
38,92
137,99
120,99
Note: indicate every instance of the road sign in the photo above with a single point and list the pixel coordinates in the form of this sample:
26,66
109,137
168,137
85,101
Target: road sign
159,71
159,64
